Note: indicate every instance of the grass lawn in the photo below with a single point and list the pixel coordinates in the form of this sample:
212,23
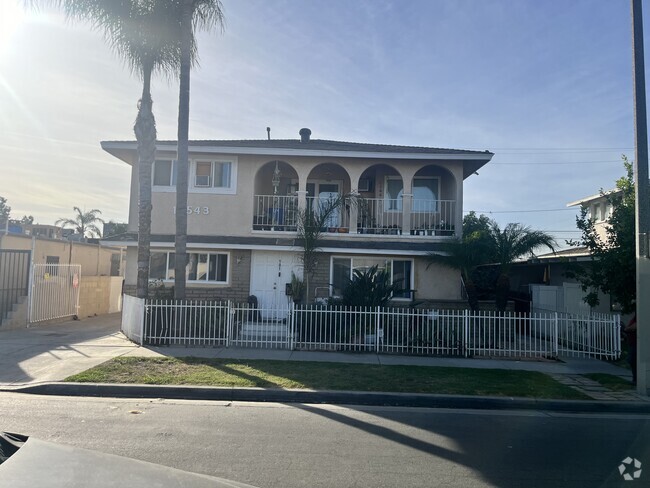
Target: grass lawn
327,376
610,381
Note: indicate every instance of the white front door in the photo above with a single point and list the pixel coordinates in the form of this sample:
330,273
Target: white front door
270,272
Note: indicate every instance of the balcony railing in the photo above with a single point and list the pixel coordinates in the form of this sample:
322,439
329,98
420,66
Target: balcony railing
276,213
379,216
433,217
373,216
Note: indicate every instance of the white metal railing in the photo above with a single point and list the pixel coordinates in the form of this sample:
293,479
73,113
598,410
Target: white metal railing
433,217
379,216
185,322
54,291
381,330
275,212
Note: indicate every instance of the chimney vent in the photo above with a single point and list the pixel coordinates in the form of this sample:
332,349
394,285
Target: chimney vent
304,135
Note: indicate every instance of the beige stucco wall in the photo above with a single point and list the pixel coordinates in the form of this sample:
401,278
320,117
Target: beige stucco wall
436,282
99,295
231,214
95,260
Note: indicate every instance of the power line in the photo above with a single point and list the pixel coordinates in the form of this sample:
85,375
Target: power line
563,162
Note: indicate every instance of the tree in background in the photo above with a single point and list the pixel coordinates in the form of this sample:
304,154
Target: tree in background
612,269
84,223
5,212
466,254
510,243
194,15
115,228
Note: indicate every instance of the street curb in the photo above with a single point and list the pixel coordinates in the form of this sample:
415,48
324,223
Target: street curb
330,397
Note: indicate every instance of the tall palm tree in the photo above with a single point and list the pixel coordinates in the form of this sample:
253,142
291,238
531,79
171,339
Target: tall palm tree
194,15
84,223
144,33
509,244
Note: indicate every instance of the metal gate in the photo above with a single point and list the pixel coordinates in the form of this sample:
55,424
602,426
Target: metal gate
55,291
14,279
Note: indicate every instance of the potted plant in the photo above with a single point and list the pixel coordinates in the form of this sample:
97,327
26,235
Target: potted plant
296,288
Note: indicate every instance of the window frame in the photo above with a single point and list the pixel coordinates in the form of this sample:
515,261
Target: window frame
390,260
222,190
209,253
172,177
400,197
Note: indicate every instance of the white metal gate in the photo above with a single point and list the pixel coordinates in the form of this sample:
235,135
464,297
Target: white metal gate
54,292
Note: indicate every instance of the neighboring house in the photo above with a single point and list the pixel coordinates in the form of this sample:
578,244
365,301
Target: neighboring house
242,205
100,275
543,277
36,230
599,209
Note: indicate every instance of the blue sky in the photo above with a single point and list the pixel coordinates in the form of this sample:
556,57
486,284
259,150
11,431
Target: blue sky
546,86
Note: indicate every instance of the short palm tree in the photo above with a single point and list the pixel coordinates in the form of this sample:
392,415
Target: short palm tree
145,34
510,243
312,222
465,255
84,223
194,15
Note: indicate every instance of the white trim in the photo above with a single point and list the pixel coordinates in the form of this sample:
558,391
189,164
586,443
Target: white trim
107,146
262,247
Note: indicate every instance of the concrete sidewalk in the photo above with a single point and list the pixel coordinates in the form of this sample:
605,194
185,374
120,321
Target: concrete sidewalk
52,352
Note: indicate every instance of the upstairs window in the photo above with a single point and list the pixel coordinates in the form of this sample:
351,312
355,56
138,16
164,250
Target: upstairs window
426,191
164,173
213,174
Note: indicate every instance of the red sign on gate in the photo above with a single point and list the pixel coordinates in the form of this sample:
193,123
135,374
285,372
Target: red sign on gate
75,280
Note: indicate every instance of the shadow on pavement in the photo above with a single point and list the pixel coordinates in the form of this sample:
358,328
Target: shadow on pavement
510,449
50,352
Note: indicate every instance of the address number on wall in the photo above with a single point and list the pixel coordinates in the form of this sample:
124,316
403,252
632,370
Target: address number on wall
195,210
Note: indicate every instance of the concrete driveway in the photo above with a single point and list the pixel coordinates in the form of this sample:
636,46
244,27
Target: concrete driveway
52,352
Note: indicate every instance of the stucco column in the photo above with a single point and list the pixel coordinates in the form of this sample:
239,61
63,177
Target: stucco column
302,199
354,211
407,205
458,220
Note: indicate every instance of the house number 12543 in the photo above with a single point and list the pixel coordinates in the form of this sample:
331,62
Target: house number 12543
195,210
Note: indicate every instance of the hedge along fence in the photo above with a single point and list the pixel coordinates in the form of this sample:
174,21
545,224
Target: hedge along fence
378,329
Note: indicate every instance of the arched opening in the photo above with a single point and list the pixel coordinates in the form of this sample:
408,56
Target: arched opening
434,206
275,202
380,208
326,184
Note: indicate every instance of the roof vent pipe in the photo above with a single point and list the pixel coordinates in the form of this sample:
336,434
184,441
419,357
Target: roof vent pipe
304,135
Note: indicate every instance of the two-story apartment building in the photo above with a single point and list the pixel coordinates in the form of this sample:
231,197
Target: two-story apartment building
599,209
243,200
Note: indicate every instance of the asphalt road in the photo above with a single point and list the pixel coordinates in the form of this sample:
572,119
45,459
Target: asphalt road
275,445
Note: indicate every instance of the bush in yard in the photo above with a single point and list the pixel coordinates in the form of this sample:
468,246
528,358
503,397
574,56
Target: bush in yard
368,288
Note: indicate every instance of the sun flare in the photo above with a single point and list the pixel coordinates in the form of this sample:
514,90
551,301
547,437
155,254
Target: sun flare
12,16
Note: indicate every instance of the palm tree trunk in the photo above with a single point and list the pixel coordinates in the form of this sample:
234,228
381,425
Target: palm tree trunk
145,134
182,151
472,294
